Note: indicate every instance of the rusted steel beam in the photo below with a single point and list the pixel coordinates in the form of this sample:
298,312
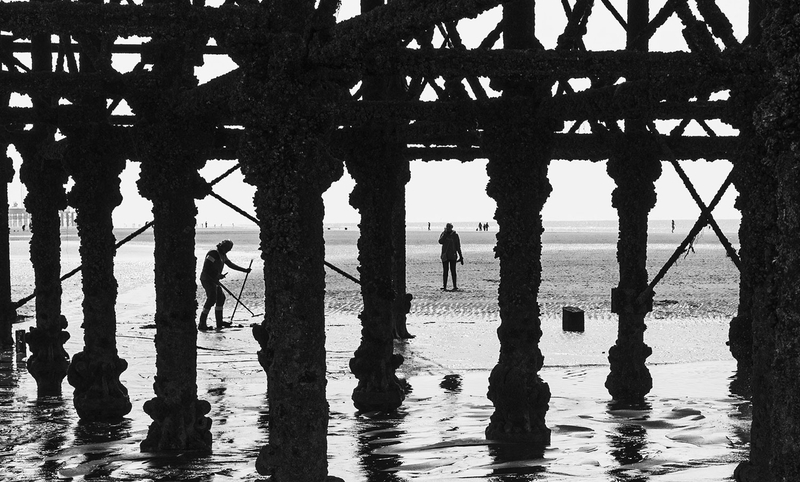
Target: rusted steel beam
62,84
592,147
463,113
522,64
212,98
61,116
67,84
443,140
531,64
720,25
701,222
25,19
398,20
615,13
638,19
448,140
561,108
756,13
421,144
706,213
117,48
586,147
646,32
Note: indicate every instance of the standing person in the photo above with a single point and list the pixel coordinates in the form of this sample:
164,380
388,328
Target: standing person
209,278
451,254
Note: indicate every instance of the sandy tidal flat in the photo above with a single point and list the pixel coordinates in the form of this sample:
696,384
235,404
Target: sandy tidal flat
691,428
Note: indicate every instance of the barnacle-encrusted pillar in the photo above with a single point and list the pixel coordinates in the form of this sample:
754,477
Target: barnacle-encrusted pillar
388,88
519,154
45,179
518,183
774,451
755,184
44,176
285,162
95,164
172,153
173,137
402,300
7,311
635,168
283,154
380,176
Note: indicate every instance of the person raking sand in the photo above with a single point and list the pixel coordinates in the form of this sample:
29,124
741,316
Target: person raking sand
209,279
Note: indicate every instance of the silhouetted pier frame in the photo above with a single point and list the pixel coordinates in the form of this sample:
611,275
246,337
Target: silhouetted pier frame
310,95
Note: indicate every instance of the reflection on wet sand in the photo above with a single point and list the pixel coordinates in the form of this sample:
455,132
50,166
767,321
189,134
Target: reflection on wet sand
514,462
628,446
97,440
695,433
692,428
51,416
87,433
742,410
628,441
376,431
8,373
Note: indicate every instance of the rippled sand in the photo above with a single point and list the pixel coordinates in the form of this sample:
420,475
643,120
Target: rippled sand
692,428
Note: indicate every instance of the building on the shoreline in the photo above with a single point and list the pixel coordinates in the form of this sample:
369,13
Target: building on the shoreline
20,219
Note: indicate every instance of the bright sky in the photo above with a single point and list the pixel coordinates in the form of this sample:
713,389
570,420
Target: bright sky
456,191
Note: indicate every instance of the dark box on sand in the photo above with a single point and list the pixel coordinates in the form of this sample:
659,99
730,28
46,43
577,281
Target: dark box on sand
572,319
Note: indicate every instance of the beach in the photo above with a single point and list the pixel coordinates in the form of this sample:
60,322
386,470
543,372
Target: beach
692,428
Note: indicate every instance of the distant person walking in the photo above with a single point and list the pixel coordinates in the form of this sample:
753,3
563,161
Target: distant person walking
215,260
451,254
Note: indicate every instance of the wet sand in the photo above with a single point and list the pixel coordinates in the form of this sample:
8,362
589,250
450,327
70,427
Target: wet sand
692,428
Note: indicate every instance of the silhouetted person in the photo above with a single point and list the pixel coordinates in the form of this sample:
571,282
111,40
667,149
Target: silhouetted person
209,278
451,254
673,225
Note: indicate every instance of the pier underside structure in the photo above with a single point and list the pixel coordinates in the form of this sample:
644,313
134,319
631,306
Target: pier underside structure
396,81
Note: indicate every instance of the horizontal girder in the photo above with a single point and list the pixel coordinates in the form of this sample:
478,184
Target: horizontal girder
432,145
532,65
624,85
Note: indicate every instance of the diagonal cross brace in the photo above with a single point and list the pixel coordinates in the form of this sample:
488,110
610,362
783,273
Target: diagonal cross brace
705,211
704,219
127,238
706,215
616,14
253,218
698,225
